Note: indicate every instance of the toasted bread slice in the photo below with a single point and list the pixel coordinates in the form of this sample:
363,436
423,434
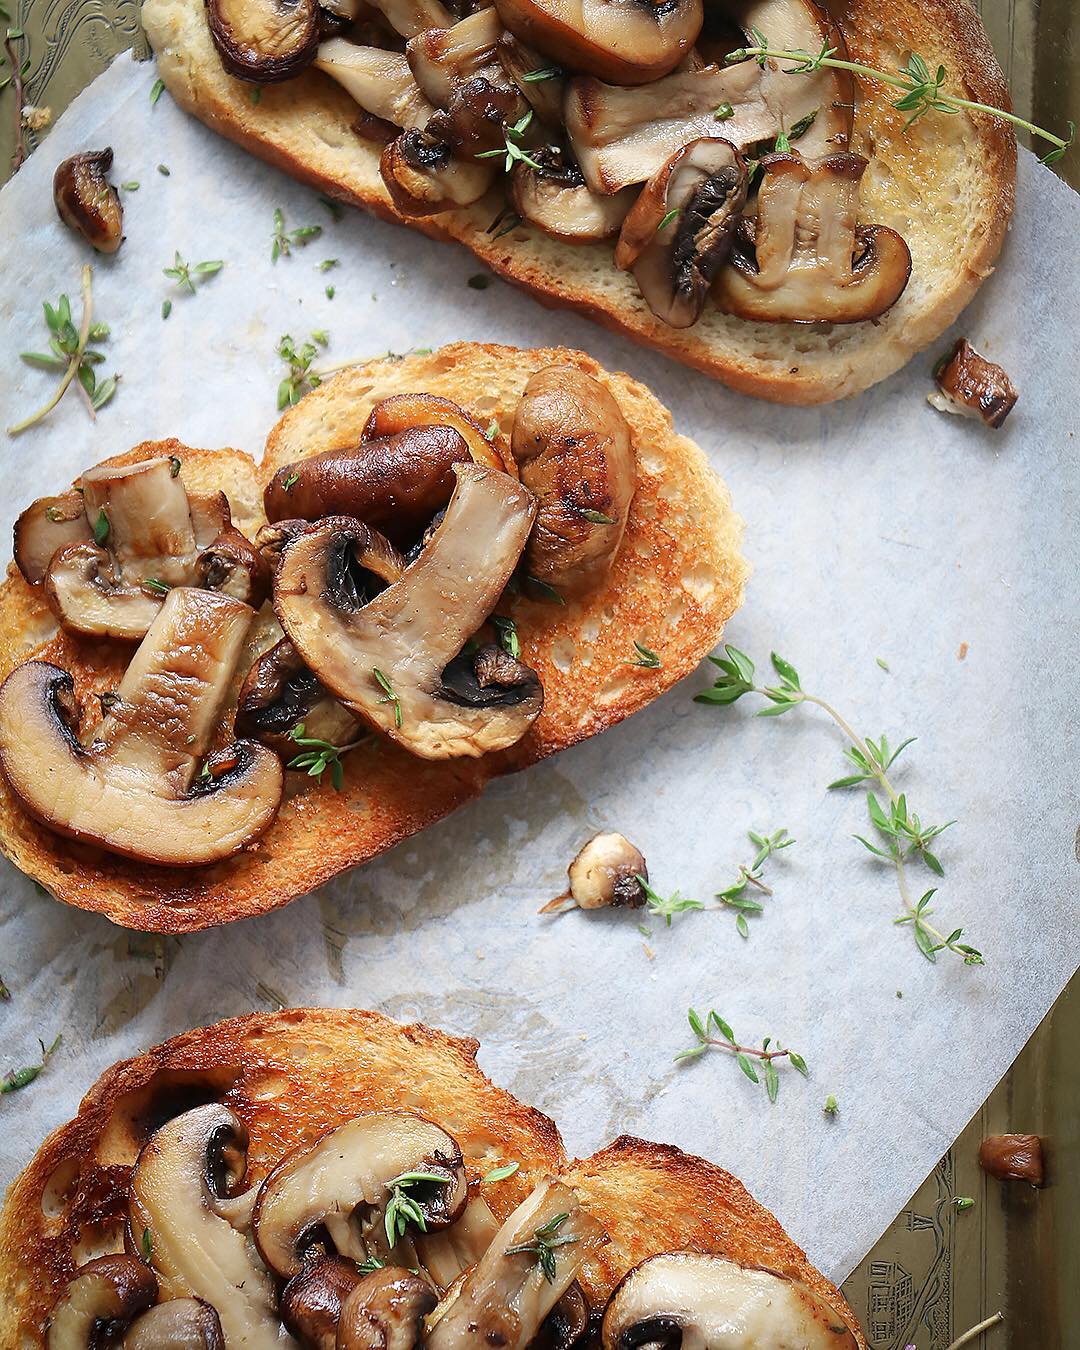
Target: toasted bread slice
946,184
292,1075
677,579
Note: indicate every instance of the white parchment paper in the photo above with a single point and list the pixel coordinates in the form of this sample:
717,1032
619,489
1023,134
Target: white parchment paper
877,528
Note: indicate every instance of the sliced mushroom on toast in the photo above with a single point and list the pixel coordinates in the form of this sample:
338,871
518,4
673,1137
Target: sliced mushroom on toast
576,455
386,1311
551,193
185,1213
264,41
397,659
805,257
706,1301
179,1324
361,1190
280,693
102,1297
136,788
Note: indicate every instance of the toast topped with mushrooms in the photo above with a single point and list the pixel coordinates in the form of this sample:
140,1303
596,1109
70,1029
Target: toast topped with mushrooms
223,684
336,1181
776,222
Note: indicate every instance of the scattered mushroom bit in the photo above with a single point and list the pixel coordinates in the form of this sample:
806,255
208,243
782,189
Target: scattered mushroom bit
1013,1157
608,871
971,386
351,1221
587,107
87,202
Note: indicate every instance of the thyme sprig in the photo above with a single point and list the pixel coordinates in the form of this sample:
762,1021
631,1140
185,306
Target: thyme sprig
318,756
20,65
744,1055
923,89
300,378
15,1079
70,352
282,240
506,634
403,1209
186,274
546,1239
664,908
644,657
735,896
513,132
388,695
903,838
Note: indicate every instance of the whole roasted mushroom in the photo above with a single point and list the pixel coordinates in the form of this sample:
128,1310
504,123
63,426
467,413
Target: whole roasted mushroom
709,1302
386,1311
264,41
680,230
402,412
805,257
575,452
608,870
385,659
183,1211
179,1324
625,41
100,1300
357,1189
134,789
87,202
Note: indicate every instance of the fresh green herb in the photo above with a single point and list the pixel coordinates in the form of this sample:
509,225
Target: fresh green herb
480,282
164,170
283,240
301,378
668,217
963,1202
166,308
503,223
922,91
15,1079
204,772
156,586
546,1239
506,632
330,292
548,73
492,430
595,517
783,144
175,465
147,1244
156,90
369,1266
185,274
403,1209
5,992
664,908
831,1107
512,135
902,837
290,481
101,528
744,1055
255,95
130,187
883,663
70,352
801,127
385,685
501,1173
544,591
327,263
335,208
317,756
646,657
735,896
723,113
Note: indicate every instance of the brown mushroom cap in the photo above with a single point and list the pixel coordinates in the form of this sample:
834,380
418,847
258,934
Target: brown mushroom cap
234,566
680,230
806,258
969,384
264,41
401,412
134,790
557,199
312,1300
628,42
423,177
575,452
101,1298
179,1324
279,693
707,1301
47,525
86,200
386,1311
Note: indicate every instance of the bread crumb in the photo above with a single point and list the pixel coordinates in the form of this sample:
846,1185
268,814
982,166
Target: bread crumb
962,653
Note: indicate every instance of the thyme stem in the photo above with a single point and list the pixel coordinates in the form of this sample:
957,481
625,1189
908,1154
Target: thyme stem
76,357
974,1332
19,156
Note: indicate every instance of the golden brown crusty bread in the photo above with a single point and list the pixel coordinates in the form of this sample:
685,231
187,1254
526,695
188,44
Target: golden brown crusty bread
946,184
677,579
292,1075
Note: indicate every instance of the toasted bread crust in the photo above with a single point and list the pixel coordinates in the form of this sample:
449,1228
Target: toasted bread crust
677,579
305,127
292,1075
